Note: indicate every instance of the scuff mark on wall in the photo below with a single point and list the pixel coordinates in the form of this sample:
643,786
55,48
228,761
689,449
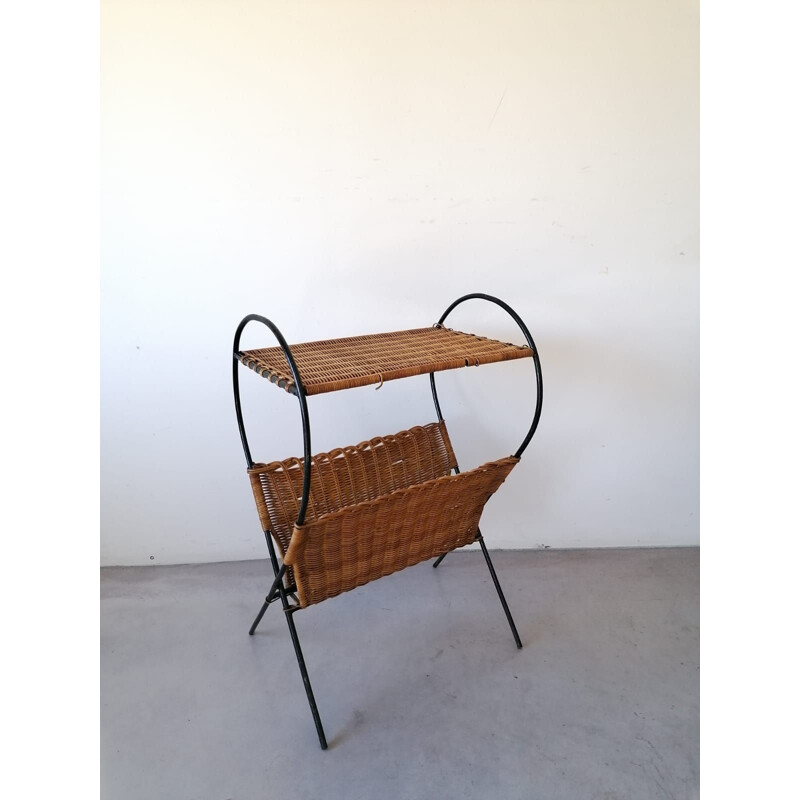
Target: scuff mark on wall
502,97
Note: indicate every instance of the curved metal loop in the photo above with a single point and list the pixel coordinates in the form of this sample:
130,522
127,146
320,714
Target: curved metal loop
536,364
301,396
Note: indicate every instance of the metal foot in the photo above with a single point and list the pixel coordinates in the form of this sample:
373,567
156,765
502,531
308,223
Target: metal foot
323,743
499,591
283,594
439,560
258,618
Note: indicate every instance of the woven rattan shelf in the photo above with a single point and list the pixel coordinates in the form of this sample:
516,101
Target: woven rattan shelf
334,364
349,516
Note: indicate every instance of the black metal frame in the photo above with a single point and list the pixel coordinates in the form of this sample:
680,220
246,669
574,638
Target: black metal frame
278,589
525,442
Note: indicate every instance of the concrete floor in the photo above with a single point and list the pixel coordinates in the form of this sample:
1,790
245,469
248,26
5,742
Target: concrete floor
420,687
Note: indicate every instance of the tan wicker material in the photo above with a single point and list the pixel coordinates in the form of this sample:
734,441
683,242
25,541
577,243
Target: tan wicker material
351,547
334,364
373,509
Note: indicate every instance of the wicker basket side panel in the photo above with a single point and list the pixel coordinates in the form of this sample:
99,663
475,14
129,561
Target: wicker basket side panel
381,465
447,447
276,523
359,544
277,498
426,454
350,475
258,495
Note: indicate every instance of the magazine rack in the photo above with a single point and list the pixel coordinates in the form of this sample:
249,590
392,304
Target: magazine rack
344,518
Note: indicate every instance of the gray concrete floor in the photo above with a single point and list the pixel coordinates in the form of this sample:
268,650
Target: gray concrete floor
420,687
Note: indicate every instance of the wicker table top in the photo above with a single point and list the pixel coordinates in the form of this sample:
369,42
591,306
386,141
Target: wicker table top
334,364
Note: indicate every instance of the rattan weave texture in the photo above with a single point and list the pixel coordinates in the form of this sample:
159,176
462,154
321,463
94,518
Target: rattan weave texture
334,364
374,508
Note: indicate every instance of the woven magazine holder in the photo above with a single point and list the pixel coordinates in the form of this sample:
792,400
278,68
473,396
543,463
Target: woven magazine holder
374,508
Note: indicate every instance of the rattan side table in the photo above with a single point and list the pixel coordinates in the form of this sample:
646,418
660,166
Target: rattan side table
347,517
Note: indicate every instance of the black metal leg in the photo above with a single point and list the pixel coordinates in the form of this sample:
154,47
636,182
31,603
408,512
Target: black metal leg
258,618
323,743
499,591
439,560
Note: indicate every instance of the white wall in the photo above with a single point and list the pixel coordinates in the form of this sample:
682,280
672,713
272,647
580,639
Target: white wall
349,167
